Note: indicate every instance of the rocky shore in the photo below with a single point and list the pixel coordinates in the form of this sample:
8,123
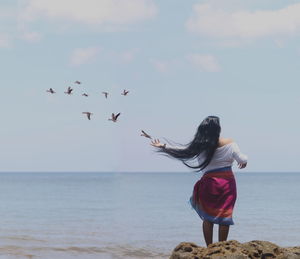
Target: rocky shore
235,250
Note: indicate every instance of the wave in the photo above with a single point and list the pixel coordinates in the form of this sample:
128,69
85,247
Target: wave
22,238
101,252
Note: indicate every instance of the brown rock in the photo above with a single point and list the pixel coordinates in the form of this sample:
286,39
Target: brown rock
235,250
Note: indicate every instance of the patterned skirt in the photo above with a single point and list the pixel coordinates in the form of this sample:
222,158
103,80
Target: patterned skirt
214,196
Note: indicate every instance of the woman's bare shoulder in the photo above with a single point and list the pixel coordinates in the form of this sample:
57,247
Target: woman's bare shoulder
225,141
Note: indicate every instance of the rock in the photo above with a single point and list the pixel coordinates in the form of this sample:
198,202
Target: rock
235,250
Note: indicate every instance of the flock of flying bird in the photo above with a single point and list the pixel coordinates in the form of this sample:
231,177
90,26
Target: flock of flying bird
113,118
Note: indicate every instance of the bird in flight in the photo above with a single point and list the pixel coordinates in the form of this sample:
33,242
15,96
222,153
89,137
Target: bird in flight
77,82
114,117
144,134
105,94
69,90
84,94
88,114
125,92
51,91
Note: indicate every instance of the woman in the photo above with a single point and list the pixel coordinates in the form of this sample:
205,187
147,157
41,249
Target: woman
214,194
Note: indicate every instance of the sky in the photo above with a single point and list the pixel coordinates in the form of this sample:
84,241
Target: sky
180,60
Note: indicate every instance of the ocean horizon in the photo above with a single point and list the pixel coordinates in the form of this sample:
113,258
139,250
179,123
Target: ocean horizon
238,171
133,215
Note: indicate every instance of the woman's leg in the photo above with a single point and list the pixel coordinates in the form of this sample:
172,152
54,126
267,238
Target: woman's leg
208,231
223,232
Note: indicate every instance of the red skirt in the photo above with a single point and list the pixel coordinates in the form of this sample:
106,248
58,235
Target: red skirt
214,196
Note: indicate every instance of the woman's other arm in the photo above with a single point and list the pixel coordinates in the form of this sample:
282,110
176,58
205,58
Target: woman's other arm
241,158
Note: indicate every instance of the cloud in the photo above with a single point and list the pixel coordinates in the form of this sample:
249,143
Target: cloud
31,36
128,56
13,28
161,66
207,63
5,41
83,55
121,57
97,12
243,24
166,65
8,29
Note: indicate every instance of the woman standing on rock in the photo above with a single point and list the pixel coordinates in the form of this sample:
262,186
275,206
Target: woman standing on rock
214,194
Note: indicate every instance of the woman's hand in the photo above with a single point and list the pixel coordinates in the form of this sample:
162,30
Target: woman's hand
156,143
241,166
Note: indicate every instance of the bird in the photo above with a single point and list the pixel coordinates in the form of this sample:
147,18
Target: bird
51,91
114,117
105,93
88,114
84,94
144,134
77,82
69,90
125,92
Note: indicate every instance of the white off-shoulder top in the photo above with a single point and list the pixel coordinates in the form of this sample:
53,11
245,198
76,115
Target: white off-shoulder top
225,156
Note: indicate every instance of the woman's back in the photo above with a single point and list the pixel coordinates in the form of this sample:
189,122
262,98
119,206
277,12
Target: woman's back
224,156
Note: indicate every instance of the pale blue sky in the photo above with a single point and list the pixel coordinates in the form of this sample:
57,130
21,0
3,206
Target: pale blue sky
180,60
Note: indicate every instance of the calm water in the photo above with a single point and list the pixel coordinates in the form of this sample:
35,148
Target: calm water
132,215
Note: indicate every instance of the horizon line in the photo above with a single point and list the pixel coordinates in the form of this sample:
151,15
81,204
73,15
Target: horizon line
144,172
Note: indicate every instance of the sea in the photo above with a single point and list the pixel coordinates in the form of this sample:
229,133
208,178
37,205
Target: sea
134,215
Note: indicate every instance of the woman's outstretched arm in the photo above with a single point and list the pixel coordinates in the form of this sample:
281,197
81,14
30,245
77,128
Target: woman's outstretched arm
156,143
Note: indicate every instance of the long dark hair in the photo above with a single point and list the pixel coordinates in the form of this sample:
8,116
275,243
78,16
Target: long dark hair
206,141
